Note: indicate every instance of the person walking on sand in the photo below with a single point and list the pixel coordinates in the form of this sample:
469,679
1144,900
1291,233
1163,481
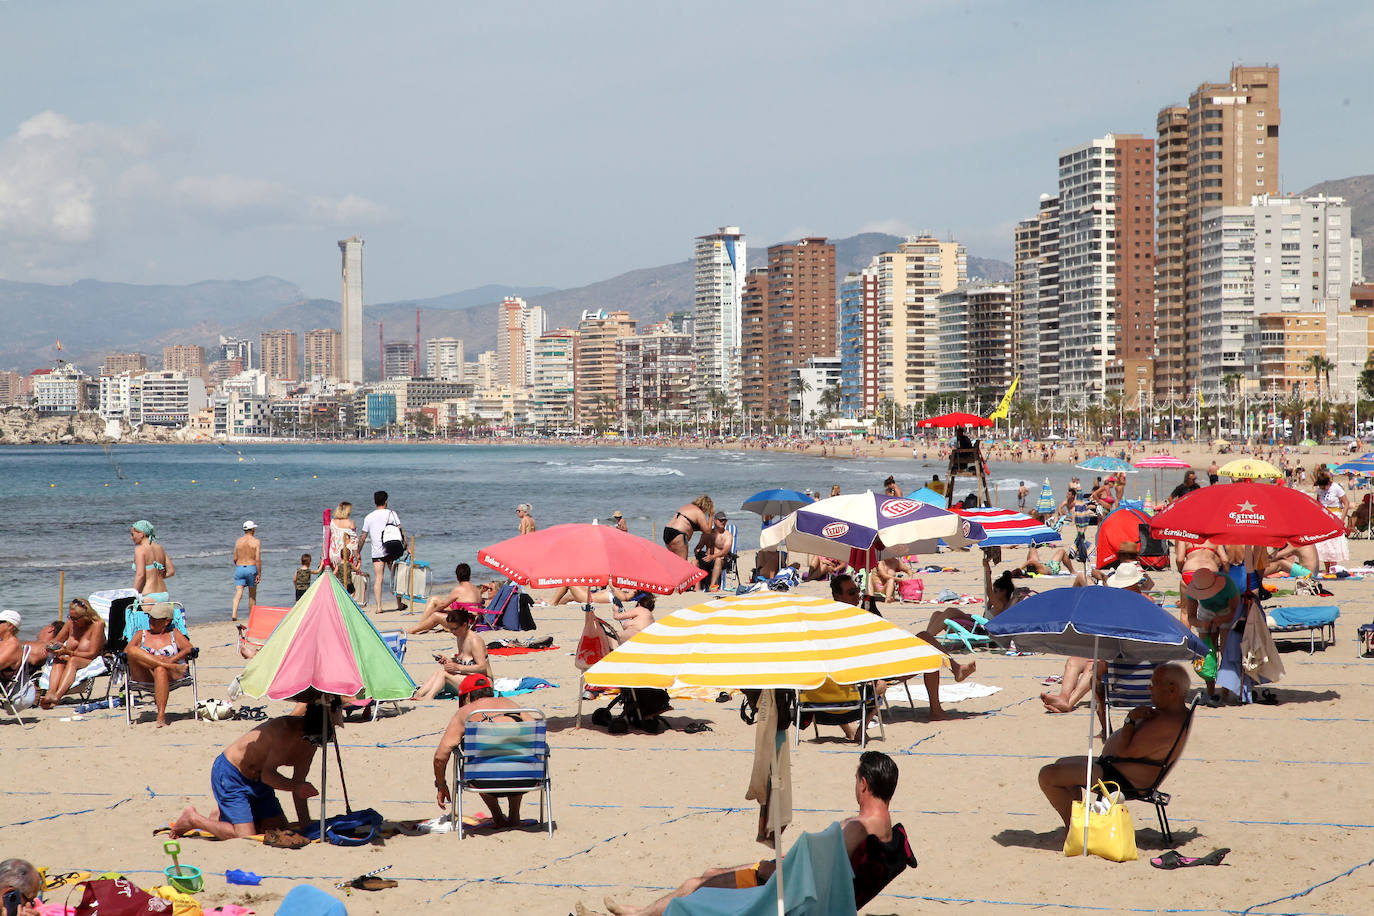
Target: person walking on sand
152,566
374,526
247,566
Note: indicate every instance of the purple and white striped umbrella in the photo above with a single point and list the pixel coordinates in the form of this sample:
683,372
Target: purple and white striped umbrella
863,528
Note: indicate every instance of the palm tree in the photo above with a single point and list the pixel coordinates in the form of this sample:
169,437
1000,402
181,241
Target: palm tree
1321,367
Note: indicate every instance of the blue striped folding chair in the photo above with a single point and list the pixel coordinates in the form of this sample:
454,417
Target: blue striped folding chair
502,756
137,619
396,641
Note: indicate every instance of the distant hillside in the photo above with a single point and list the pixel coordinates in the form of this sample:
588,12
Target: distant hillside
1358,191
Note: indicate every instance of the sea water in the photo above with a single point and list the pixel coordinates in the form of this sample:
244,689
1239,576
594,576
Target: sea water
70,507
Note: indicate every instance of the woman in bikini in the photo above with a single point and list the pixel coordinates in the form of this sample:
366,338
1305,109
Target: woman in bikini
471,657
152,566
695,516
158,655
79,643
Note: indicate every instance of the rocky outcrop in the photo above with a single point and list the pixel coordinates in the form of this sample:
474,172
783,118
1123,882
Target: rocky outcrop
22,426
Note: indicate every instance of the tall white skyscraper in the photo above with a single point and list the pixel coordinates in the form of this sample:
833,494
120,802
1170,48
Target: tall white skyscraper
444,358
352,341
721,266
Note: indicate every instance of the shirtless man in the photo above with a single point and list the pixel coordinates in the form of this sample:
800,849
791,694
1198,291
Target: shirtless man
474,695
874,784
247,566
246,777
720,546
1149,733
11,649
437,608
636,615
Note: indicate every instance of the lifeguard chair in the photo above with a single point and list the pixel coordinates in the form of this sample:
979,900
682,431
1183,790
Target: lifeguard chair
963,462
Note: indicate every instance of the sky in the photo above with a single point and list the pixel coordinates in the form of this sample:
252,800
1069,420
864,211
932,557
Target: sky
561,143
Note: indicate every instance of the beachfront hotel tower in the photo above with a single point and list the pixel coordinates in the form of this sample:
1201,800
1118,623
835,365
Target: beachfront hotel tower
718,292
519,325
352,337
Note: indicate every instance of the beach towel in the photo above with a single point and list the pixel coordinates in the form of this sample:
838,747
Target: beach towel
513,686
92,671
518,650
949,693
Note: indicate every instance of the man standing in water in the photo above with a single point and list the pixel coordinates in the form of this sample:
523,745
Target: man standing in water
247,566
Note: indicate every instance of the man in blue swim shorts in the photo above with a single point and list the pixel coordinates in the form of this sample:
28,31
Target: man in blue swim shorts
246,778
247,566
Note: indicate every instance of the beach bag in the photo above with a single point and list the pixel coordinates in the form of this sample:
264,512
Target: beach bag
119,897
912,588
393,539
1206,667
356,828
594,645
1111,834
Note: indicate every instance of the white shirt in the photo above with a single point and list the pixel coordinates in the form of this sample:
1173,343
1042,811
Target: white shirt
376,520
1331,496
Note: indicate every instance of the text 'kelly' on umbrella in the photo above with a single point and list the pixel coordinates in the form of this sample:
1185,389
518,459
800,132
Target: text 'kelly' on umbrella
326,643
765,640
1257,514
588,555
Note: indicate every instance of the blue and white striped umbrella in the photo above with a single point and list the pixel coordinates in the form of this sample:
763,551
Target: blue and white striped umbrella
1106,464
1045,504
1359,466
776,502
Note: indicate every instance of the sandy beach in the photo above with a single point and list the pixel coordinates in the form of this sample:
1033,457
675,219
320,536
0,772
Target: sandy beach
1280,785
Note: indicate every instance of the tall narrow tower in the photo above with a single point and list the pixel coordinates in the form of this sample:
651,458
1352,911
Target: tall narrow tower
352,338
721,267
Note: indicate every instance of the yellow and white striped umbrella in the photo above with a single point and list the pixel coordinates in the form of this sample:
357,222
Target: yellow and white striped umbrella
765,640
1248,469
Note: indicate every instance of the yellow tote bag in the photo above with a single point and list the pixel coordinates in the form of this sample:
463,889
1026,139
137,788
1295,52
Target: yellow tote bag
1111,834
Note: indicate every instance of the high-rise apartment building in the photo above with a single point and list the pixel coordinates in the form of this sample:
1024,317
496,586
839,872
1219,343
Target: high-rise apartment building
551,379
1133,286
595,358
398,359
117,363
518,325
753,348
1025,303
237,348
975,339
909,280
1228,335
444,358
351,341
718,292
1231,150
322,353
800,314
281,354
859,343
654,376
188,359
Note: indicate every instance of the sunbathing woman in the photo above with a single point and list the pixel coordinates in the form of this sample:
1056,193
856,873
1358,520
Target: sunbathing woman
81,641
158,654
886,575
471,657
696,516
462,595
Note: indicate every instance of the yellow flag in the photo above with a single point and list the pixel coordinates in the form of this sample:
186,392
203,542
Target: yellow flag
1199,400
1001,412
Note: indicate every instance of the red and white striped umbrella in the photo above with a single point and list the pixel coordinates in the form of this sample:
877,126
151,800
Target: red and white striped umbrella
1007,527
1162,461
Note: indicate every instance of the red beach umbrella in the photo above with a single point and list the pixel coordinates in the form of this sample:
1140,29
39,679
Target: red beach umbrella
951,420
590,555
1259,514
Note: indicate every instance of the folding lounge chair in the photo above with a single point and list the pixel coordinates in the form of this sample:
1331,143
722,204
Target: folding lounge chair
396,641
20,690
490,617
262,620
502,756
958,635
1126,686
138,620
1316,622
1151,793
835,704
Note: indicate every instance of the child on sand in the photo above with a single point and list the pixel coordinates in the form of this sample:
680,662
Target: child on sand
303,574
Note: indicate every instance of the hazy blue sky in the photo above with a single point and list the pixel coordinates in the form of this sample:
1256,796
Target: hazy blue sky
561,143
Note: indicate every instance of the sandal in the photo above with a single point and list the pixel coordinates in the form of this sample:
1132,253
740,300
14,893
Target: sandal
51,882
371,883
282,838
1172,859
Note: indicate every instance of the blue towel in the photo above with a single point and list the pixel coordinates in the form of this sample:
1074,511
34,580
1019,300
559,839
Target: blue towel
1304,616
817,879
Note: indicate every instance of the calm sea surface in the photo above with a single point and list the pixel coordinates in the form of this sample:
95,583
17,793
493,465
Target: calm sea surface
71,507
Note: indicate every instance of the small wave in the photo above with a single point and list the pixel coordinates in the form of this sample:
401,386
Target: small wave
625,460
618,469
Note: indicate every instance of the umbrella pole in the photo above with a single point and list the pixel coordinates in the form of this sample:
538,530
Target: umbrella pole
324,767
1092,734
777,833
338,758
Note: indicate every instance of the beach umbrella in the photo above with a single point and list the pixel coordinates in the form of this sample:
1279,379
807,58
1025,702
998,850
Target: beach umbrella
1308,443
776,502
327,644
1248,469
1159,462
1107,464
1096,622
951,420
863,528
1045,504
929,497
1007,527
590,555
768,641
1361,466
1256,514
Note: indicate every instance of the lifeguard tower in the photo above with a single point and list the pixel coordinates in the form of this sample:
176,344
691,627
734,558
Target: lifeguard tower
963,462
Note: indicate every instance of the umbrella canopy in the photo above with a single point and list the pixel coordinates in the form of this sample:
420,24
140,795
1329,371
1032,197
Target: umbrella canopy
929,497
326,643
1257,514
863,528
1045,504
1360,466
1308,442
590,555
1107,464
1007,527
1248,469
776,502
1119,622
1162,461
765,640
951,420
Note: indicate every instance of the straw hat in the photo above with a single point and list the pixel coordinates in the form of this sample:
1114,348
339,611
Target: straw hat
1206,584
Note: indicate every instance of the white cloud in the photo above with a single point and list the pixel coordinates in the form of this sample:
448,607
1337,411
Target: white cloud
68,189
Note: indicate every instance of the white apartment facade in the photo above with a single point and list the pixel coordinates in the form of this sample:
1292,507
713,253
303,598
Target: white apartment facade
1087,267
718,290
551,379
444,358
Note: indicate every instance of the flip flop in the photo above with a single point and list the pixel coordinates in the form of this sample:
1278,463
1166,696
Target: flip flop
371,883
1172,859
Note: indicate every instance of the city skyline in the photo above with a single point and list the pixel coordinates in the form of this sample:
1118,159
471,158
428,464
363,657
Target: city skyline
252,162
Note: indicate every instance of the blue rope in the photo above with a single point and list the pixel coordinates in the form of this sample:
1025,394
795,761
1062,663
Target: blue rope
1345,874
49,817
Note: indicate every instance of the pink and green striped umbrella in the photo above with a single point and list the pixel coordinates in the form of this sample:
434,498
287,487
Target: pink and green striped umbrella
327,643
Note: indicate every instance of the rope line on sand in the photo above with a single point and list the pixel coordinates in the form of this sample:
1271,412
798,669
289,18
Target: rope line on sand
49,817
1303,893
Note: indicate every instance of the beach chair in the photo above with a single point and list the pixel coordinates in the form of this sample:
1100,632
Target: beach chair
19,691
836,704
1151,793
500,756
491,616
396,641
1125,686
135,620
262,620
1318,623
956,634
